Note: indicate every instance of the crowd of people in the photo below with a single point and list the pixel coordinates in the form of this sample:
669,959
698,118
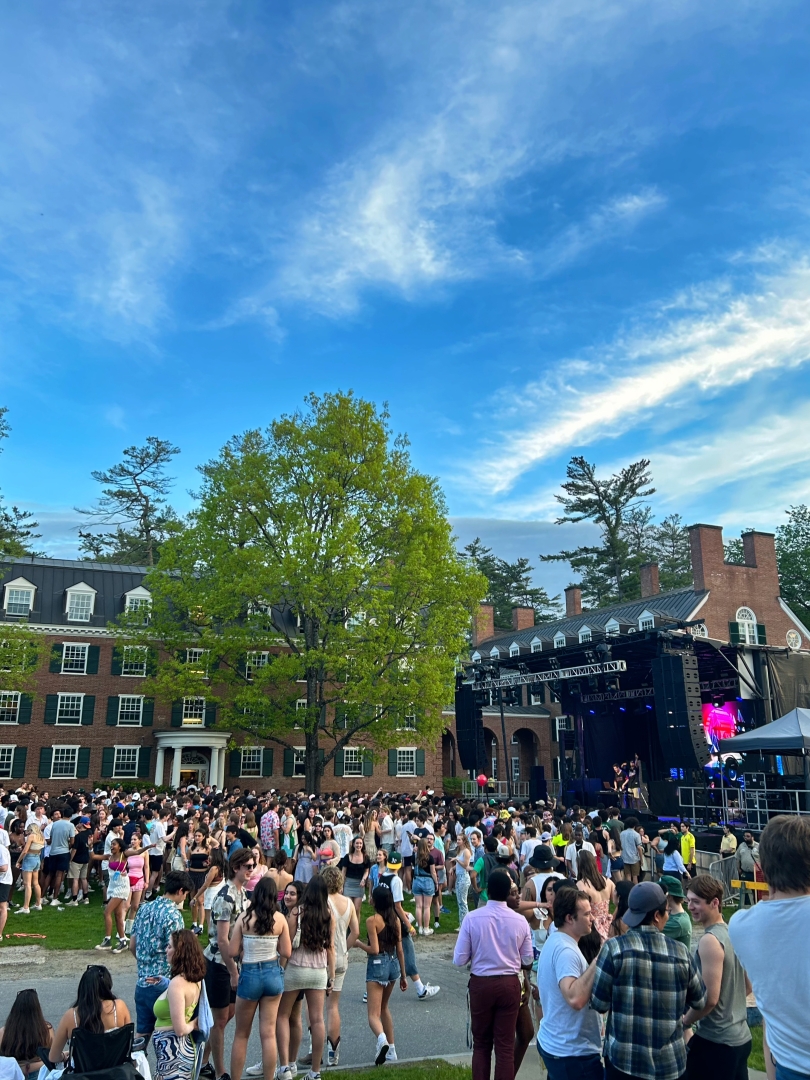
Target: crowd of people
565,915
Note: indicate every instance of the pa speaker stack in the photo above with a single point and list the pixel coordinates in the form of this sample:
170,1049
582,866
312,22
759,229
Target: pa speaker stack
678,710
470,730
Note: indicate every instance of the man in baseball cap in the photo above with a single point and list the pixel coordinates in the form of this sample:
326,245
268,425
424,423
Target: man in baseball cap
646,981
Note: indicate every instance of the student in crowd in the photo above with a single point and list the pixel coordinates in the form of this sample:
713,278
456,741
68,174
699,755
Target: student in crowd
176,1010
95,1009
384,967
678,925
346,930
24,1032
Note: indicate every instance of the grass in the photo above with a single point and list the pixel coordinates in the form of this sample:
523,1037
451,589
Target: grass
82,927
435,1070
756,1059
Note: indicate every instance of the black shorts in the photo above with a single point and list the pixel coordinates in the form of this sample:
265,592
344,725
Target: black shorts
4,893
218,985
407,860
155,862
60,863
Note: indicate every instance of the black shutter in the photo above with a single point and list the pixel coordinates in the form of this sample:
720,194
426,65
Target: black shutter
368,763
24,711
51,709
92,659
83,763
18,762
45,759
177,714
107,760
734,635
148,712
117,661
151,662
761,636
235,763
267,761
144,762
339,760
88,709
420,762
210,713
55,665
289,760
392,763
112,711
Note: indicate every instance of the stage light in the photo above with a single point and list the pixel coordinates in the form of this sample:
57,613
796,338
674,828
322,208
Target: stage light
590,656
592,712
622,708
648,706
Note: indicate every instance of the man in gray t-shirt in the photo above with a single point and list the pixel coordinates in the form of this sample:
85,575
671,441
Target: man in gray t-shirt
631,850
62,833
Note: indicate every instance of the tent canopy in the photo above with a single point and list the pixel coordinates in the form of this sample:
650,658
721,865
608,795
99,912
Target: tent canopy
789,732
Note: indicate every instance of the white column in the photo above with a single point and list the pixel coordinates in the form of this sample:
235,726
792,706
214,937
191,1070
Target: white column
221,768
213,769
178,753
161,753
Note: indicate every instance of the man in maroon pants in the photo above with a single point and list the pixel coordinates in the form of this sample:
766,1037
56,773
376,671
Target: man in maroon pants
497,944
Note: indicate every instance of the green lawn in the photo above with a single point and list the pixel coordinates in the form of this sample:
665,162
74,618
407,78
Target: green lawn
82,927
757,1058
435,1070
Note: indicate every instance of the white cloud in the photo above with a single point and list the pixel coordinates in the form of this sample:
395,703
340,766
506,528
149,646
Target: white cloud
730,339
115,417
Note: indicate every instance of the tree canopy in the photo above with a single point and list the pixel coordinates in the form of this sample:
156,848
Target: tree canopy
793,559
510,585
319,577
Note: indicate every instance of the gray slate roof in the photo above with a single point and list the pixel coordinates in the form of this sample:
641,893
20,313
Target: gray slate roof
673,605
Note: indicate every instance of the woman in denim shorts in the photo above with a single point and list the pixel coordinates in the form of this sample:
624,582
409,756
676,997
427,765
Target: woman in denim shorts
29,862
385,964
262,937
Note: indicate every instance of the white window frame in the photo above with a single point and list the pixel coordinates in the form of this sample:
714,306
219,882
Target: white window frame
646,621
494,653
612,628
585,635
536,699
300,706
514,649
14,705
408,720
201,659
514,741
144,650
7,748
130,697
299,761
747,623
476,657
21,585
69,723
515,770
356,760
74,645
126,749
74,748
402,750
494,773
253,750
560,641
353,621
81,588
258,658
188,719
537,644
139,599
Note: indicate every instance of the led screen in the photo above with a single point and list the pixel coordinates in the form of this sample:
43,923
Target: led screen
721,722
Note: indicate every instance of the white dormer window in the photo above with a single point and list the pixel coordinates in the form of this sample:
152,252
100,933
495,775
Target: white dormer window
476,657
495,653
355,620
81,601
559,641
585,635
537,644
19,597
612,628
646,621
747,622
514,649
138,600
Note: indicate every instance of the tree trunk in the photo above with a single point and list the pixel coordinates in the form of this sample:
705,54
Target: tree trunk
312,760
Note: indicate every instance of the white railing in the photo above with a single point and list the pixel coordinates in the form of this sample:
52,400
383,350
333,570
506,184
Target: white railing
733,806
520,790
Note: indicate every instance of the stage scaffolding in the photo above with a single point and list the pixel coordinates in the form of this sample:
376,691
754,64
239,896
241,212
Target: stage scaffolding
752,806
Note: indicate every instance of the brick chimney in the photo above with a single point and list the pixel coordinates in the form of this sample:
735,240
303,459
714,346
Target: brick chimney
708,560
648,573
573,601
483,623
522,618
759,549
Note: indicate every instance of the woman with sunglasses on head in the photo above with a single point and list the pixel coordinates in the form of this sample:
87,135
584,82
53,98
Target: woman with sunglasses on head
96,1009
25,1030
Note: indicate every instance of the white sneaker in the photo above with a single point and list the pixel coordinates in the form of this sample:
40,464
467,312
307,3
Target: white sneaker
391,1055
382,1049
55,903
256,1070
333,1054
426,932
430,991
284,1072
312,1075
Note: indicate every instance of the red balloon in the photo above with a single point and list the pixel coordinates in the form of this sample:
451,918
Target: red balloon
482,780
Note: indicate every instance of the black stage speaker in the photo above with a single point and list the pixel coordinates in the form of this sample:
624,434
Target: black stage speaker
470,731
537,784
678,710
663,796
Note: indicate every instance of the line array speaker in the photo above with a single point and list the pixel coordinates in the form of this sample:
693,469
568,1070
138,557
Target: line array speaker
678,710
470,731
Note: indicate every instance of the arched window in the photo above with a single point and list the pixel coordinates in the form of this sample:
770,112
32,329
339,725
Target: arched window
747,626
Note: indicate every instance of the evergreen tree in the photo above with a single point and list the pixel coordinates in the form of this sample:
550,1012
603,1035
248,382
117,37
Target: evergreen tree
510,585
793,558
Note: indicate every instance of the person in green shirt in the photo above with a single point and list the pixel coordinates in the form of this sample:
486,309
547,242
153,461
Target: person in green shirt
679,924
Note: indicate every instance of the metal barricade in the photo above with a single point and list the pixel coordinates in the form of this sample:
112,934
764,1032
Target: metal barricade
724,871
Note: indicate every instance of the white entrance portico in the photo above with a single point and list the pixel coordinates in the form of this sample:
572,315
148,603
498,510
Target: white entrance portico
201,753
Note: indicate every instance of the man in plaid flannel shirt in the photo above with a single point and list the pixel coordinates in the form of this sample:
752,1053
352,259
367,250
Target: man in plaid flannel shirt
645,982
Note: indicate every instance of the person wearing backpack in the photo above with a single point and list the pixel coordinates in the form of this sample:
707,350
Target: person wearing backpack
484,865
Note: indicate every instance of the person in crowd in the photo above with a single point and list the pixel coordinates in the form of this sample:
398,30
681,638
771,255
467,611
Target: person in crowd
617,925
222,973
136,861
79,864
384,967
152,929
279,874
372,834
645,981
721,1042
29,862
346,931
96,1009
688,849
674,866
311,968
269,828
569,1039
262,938
199,860
356,866
424,884
600,891
391,880
6,881
728,843
328,848
748,863
773,947
176,1010
578,844
386,830
678,925
497,945
160,833
462,867
117,898
62,833
632,845
24,1032
306,858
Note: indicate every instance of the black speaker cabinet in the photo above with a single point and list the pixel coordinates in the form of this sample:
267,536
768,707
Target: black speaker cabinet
537,784
678,710
470,731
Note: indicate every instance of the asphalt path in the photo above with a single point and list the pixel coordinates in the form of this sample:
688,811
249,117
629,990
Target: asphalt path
422,1028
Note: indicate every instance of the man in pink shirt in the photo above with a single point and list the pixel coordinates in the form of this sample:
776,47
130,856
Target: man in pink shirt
497,944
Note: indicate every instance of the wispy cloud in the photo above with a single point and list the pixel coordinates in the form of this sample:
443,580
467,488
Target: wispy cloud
115,417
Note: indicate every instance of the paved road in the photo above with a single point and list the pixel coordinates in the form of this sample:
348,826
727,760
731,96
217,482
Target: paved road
423,1029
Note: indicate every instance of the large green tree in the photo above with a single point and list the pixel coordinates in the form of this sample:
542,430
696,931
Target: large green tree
793,558
510,585
318,573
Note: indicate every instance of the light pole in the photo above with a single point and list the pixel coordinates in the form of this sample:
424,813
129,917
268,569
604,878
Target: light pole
503,736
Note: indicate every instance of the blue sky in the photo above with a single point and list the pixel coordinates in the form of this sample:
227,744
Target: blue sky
535,229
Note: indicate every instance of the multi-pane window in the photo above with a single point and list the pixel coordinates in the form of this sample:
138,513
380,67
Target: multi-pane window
406,761
515,770
69,710
300,711
646,622
6,761
514,649
251,761
133,660
130,710
18,601
255,660
585,635
9,707
408,722
747,623
197,659
80,606
63,763
193,711
537,645
559,641
126,761
352,761
299,762
612,628
74,659
140,604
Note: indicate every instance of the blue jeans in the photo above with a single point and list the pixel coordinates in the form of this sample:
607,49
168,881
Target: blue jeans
783,1073
383,968
423,885
145,998
409,954
265,979
584,1067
